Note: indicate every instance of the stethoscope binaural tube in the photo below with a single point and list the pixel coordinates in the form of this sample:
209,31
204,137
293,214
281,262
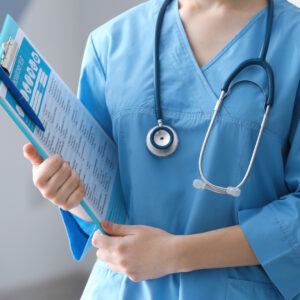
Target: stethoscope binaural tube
261,62
230,190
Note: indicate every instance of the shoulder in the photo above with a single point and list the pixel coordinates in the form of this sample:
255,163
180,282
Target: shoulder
125,30
287,19
286,6
135,15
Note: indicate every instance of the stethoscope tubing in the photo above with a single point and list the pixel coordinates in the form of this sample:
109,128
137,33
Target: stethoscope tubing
208,184
254,62
228,84
156,66
269,25
261,62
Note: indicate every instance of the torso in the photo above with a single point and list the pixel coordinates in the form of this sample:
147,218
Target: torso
210,29
158,191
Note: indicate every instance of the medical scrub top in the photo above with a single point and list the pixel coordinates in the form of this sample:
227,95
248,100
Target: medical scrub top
116,86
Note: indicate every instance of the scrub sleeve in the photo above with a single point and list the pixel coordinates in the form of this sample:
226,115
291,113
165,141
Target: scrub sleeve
273,231
91,92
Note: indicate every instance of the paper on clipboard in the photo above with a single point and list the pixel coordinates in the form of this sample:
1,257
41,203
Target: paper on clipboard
69,128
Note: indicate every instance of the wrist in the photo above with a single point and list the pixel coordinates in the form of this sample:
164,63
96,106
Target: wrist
188,249
180,246
81,213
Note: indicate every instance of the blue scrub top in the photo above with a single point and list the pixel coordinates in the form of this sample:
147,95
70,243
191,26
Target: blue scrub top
116,86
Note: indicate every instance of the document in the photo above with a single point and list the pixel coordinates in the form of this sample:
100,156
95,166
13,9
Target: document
70,129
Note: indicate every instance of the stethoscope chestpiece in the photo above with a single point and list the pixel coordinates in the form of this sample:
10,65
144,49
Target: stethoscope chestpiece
162,140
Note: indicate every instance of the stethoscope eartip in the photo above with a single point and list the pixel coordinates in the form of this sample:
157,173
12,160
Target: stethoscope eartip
233,191
199,184
230,190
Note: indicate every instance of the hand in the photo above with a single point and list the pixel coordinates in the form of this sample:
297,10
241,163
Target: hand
55,179
140,252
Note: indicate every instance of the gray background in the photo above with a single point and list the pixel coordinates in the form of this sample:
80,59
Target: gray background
33,244
35,261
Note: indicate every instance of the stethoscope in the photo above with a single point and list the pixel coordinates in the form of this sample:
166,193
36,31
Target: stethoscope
162,139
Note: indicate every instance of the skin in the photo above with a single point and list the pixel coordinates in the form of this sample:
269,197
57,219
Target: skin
144,252
56,181
211,24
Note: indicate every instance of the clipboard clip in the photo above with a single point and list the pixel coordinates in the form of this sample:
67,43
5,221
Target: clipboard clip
10,50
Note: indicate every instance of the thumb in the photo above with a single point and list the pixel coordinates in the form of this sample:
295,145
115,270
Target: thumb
117,229
32,155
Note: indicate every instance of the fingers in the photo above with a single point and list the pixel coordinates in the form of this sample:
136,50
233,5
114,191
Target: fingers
55,179
109,248
115,229
75,197
70,193
42,169
46,170
32,155
64,188
60,177
101,240
114,267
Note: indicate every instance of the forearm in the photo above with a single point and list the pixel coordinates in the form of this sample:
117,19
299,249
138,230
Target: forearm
221,248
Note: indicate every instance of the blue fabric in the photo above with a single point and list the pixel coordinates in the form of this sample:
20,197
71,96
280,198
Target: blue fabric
273,230
116,85
80,233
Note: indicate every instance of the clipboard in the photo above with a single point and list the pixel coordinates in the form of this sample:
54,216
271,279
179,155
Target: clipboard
70,129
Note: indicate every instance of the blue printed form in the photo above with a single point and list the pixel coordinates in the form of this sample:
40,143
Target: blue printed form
70,129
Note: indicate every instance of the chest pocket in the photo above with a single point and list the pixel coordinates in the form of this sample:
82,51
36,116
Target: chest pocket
244,290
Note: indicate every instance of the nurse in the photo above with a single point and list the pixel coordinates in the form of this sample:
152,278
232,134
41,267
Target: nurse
182,242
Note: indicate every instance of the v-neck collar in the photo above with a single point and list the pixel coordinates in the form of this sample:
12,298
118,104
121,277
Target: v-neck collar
187,47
